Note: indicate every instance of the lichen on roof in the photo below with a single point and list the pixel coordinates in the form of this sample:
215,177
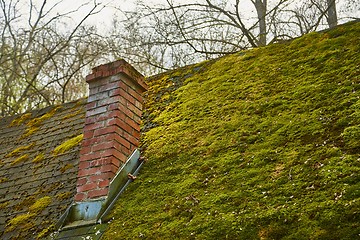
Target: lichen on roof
67,145
36,185
261,144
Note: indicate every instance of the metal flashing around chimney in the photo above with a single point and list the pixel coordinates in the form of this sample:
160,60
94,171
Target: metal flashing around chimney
94,211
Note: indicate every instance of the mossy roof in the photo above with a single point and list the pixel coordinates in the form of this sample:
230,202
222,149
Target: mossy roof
261,144
37,184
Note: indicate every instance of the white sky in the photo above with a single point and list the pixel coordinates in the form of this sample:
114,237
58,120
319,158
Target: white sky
103,19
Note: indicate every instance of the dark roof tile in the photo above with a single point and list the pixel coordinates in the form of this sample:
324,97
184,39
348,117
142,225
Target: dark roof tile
25,184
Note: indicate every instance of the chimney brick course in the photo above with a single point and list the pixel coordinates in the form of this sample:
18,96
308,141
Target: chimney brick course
112,126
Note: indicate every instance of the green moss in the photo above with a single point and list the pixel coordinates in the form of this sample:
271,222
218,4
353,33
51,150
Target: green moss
20,120
4,179
40,204
19,150
19,221
20,159
73,114
4,205
66,167
261,144
29,131
34,124
64,195
67,145
352,136
25,203
39,158
45,232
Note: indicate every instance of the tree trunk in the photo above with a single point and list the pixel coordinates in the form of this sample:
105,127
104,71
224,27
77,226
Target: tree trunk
331,12
260,6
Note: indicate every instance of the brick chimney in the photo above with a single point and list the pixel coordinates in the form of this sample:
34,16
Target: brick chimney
112,126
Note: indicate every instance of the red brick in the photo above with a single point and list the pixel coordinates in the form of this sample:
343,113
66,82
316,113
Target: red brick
135,83
102,146
102,176
108,168
98,82
138,105
113,99
104,161
120,124
88,172
115,92
81,181
91,141
88,134
85,150
120,140
109,86
126,111
84,164
134,109
90,105
115,153
80,197
104,183
117,113
97,193
131,139
136,134
132,123
96,111
105,130
90,156
128,97
135,95
94,126
97,96
126,151
137,119
86,187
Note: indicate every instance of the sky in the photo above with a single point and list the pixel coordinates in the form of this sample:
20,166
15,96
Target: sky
103,19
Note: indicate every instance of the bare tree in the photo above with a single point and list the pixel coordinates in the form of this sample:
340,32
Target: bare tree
167,36
331,13
41,56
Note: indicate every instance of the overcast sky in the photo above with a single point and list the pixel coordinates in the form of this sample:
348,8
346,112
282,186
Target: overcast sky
105,17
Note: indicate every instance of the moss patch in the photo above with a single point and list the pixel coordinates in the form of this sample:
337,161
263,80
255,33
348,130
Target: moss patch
19,150
4,179
71,115
20,120
25,222
66,167
257,144
20,220
67,145
40,204
65,195
46,232
39,158
34,124
4,205
20,159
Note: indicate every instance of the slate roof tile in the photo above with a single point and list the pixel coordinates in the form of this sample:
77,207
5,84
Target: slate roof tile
24,183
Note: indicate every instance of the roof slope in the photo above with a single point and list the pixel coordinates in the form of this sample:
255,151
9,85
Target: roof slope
261,144
39,156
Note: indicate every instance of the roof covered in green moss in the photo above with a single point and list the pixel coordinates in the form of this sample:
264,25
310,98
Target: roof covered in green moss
39,155
261,144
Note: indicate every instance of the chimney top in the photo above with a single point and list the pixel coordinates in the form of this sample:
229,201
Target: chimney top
114,68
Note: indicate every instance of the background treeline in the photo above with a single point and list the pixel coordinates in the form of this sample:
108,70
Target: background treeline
45,53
